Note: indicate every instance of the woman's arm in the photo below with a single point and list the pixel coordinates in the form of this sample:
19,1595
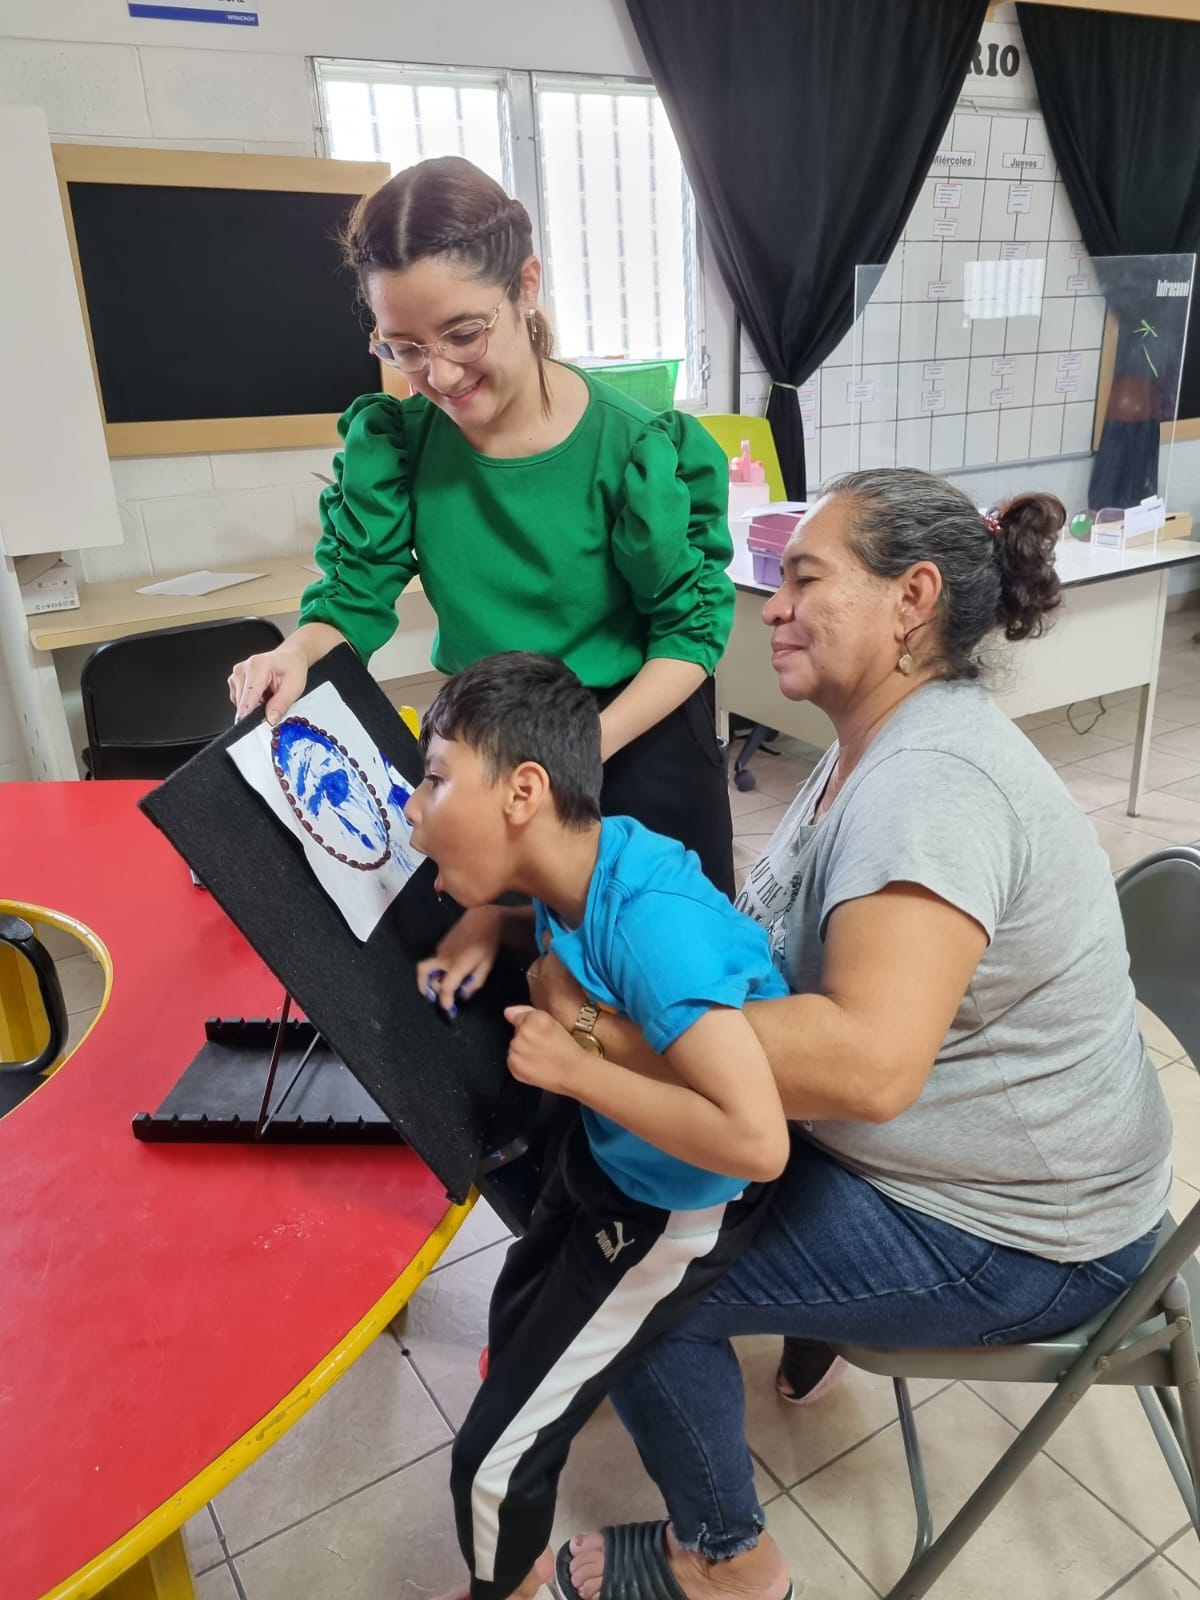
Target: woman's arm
278,676
671,544
897,965
653,694
365,555
721,1111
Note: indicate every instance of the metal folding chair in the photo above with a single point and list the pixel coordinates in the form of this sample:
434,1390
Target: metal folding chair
1146,1340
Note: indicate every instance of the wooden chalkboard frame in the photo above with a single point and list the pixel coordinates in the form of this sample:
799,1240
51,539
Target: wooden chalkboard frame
202,169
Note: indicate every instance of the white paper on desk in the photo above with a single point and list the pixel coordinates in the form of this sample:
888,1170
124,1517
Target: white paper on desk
324,778
200,582
1145,518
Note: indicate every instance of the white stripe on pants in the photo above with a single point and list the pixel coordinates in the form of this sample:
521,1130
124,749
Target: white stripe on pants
688,1236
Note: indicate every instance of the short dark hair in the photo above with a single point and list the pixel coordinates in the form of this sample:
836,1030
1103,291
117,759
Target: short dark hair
990,579
517,707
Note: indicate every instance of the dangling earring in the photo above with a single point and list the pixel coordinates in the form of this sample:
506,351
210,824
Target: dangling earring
533,325
906,665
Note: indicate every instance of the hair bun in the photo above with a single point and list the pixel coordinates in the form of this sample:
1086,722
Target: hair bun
1030,525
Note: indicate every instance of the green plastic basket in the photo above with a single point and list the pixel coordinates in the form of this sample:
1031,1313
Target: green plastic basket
651,382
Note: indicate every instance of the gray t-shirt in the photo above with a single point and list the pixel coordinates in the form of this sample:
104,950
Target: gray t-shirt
1042,1124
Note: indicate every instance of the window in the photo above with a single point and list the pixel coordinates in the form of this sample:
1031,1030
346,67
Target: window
373,112
618,223
597,167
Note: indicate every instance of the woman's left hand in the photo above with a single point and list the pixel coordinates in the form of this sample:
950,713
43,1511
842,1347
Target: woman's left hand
553,989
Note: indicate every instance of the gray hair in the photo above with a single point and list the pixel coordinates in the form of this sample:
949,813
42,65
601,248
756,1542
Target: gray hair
901,516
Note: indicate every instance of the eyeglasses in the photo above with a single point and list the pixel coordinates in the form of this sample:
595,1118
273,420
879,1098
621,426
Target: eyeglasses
463,344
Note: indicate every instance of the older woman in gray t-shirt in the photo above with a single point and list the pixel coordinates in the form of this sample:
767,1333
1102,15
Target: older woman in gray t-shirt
982,1150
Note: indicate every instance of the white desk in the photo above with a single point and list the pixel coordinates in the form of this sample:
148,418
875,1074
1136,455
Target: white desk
114,610
1106,636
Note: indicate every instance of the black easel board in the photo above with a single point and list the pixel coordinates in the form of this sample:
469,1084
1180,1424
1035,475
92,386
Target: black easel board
445,1087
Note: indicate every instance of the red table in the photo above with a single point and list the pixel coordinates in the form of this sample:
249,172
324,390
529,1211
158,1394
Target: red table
166,1311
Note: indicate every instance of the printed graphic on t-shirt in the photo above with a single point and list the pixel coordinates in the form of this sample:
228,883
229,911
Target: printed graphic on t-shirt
770,901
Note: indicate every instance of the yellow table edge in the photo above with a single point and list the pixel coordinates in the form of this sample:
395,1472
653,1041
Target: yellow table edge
160,1524
155,1529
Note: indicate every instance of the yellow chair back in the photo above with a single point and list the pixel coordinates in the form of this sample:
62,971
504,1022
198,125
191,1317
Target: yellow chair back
729,430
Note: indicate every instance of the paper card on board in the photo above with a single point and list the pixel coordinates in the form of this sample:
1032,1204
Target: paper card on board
330,786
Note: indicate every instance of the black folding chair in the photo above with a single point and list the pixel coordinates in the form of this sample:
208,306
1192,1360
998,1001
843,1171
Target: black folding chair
1145,1341
152,700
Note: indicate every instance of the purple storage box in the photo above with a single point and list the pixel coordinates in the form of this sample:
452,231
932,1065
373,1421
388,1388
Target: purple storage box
768,568
770,529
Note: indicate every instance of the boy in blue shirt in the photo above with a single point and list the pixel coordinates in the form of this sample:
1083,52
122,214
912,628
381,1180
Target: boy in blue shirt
663,1181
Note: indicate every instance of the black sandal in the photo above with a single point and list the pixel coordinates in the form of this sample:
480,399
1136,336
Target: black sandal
636,1565
806,1371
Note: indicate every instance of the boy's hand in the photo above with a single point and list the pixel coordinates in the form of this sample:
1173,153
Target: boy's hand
542,1052
463,960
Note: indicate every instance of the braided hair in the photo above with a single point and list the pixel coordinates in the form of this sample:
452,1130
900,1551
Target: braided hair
447,207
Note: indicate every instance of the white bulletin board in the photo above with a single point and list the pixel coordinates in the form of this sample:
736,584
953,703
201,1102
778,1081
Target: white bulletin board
980,341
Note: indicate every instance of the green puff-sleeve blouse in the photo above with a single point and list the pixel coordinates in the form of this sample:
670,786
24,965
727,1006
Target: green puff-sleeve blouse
607,551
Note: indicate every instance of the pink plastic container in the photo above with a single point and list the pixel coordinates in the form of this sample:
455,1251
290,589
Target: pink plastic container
770,529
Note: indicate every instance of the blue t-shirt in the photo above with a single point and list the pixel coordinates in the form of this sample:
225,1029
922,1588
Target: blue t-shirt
660,945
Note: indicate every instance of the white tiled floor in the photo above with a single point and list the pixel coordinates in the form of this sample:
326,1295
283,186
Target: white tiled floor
353,1502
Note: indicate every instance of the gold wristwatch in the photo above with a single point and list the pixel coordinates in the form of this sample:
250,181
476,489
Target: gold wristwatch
584,1031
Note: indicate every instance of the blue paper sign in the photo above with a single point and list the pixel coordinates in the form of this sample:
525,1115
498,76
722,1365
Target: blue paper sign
208,11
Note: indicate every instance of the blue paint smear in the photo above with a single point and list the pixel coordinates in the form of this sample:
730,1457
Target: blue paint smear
401,791
305,755
333,787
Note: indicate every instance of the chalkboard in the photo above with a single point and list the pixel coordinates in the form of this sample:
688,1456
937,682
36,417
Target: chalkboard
219,314
219,302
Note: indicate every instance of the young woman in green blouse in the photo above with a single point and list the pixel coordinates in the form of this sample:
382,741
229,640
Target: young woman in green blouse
541,509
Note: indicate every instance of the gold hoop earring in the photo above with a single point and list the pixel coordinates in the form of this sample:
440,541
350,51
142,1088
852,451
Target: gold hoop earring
906,664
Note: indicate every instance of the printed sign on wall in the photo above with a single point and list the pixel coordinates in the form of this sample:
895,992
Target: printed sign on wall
235,11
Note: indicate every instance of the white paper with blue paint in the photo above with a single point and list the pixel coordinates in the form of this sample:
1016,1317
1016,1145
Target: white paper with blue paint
328,783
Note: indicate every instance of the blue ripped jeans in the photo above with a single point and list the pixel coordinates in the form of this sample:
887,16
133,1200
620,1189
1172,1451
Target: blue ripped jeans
835,1260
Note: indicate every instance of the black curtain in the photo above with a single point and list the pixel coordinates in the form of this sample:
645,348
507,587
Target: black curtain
807,128
1121,99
